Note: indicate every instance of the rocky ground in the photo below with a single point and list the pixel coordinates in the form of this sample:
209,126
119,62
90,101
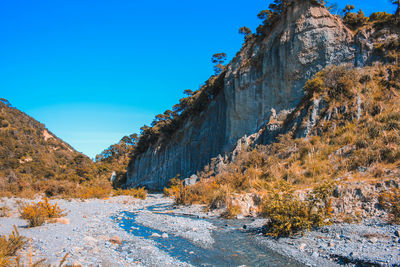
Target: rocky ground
122,231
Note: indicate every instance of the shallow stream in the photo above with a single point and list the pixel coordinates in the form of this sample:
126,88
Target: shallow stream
232,246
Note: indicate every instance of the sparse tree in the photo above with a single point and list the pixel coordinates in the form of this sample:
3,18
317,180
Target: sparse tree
188,92
348,9
396,2
246,32
218,59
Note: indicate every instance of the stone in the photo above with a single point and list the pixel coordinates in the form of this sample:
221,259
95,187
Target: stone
155,235
164,235
89,239
397,233
62,220
302,246
116,240
373,240
191,180
113,176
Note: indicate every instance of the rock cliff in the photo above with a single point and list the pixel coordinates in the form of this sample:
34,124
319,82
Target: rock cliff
264,80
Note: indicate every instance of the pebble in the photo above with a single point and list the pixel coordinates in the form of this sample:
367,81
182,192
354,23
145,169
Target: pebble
302,246
397,233
164,235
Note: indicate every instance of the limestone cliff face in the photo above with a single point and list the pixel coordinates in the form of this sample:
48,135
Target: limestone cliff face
268,73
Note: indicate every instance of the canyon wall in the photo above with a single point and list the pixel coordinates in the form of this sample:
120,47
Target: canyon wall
265,78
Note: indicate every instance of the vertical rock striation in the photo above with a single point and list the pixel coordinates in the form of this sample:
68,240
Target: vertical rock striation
266,77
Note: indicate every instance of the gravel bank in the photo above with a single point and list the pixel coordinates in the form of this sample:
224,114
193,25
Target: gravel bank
371,243
92,224
87,236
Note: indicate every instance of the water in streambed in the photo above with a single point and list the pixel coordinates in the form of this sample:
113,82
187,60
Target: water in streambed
232,247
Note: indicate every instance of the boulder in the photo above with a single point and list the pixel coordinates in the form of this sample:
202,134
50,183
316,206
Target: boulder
191,180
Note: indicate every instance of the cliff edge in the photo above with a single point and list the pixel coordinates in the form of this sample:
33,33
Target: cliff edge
265,78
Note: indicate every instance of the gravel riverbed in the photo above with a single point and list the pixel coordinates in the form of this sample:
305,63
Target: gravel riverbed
122,231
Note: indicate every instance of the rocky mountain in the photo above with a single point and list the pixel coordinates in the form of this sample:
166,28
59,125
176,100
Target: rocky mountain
257,90
32,158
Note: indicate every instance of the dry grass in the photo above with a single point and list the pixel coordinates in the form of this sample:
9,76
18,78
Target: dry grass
356,135
5,211
140,193
390,200
9,246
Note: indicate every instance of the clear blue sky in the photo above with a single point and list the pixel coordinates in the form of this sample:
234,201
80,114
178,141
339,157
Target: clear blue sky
96,70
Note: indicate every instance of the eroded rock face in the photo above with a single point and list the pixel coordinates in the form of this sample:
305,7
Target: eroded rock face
272,73
267,74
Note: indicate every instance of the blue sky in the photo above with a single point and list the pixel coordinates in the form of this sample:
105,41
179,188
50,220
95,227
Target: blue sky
94,71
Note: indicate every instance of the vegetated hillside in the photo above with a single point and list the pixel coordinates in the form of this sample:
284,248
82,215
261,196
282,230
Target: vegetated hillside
114,160
337,153
295,41
32,159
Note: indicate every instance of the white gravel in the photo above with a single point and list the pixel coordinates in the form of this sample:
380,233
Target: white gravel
86,237
196,231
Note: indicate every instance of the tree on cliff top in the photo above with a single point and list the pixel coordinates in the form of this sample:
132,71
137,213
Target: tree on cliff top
218,59
396,2
246,32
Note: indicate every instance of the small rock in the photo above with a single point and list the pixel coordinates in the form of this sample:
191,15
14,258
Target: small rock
302,246
331,244
315,254
191,252
89,239
116,240
325,230
244,226
62,220
397,233
240,217
164,235
373,240
155,235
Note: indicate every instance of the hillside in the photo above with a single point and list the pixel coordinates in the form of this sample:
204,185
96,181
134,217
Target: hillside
32,159
266,78
302,124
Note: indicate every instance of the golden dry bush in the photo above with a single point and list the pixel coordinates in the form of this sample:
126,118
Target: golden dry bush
9,246
232,211
140,192
289,215
390,200
38,213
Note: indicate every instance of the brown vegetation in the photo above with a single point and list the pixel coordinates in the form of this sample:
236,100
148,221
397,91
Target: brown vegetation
140,193
38,213
356,131
391,202
9,247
